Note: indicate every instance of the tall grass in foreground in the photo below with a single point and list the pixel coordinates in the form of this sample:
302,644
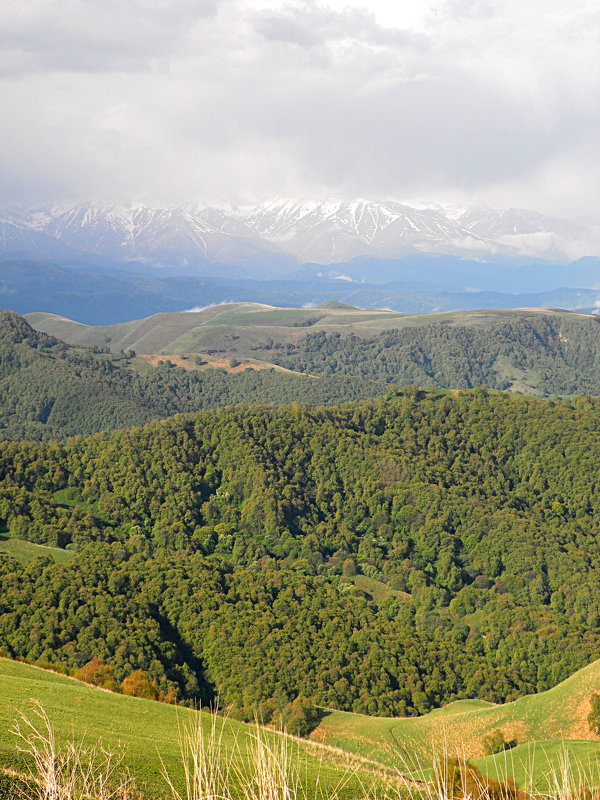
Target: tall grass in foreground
271,767
71,772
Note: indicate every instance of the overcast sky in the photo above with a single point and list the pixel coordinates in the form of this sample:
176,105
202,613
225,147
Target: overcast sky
170,101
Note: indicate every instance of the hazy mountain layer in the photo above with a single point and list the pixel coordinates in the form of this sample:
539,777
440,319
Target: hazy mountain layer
101,296
266,237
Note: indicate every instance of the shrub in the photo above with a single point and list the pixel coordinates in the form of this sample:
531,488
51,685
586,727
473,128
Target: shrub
496,742
137,684
97,673
459,780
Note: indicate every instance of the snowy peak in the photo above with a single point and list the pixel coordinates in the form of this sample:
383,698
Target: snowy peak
179,236
336,231
306,230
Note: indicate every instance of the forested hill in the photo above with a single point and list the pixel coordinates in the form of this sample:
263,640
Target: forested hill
49,389
386,557
545,354
539,351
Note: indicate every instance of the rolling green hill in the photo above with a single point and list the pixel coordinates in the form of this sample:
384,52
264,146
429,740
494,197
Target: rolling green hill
213,325
212,329
145,731
123,724
545,352
49,389
557,714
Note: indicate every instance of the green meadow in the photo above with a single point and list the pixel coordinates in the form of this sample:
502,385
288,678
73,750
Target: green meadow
547,727
148,733
346,755
24,551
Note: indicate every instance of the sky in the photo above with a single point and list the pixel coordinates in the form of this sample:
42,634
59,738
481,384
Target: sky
175,101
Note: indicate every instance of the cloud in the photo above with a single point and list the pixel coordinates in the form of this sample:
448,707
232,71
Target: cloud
174,100
197,309
342,277
82,36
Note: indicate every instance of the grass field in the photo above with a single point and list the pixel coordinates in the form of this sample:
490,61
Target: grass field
236,328
535,765
146,731
378,590
560,713
350,751
24,551
187,361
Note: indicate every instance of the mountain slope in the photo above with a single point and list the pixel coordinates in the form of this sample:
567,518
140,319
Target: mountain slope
327,232
271,234
219,552
535,351
559,713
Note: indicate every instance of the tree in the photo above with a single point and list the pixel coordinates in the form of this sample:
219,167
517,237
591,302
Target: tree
349,568
301,717
137,684
96,673
496,742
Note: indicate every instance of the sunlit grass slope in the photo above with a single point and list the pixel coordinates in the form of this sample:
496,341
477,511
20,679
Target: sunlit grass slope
24,551
538,765
240,327
144,731
560,713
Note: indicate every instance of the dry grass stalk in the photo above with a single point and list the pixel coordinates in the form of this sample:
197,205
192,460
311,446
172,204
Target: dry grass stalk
206,774
72,772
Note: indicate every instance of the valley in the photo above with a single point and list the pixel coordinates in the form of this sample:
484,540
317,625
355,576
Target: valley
299,400
400,569
346,754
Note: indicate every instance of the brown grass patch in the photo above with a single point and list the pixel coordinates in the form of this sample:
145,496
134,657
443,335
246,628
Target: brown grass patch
189,363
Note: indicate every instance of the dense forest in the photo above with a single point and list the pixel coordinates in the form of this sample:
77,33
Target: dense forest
537,354
49,389
222,553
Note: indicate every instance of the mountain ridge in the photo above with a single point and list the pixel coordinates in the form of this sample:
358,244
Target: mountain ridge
275,234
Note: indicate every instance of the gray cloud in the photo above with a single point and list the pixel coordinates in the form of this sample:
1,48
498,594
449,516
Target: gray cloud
94,35
171,101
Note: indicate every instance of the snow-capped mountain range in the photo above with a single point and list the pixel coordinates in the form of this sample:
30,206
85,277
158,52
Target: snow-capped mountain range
279,233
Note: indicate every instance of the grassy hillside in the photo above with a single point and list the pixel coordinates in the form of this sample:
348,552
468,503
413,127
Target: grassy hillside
124,723
538,351
536,765
559,713
214,326
230,327
50,389
143,730
24,551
